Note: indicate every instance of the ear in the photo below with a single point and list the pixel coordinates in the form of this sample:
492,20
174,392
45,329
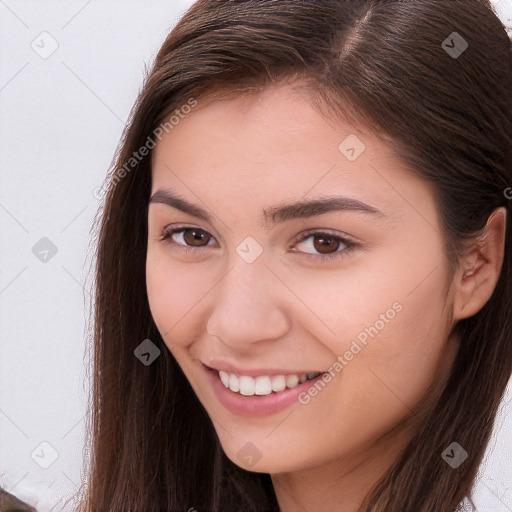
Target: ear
480,267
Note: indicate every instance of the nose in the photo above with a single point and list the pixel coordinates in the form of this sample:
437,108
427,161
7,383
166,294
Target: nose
248,305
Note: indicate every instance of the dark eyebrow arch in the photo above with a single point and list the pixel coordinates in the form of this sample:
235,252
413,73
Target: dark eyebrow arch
276,214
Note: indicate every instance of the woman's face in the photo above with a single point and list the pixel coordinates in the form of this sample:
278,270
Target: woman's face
267,280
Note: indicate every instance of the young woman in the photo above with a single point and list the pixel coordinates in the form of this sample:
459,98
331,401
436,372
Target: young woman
303,286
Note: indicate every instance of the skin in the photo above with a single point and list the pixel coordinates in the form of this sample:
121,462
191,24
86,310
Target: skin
238,156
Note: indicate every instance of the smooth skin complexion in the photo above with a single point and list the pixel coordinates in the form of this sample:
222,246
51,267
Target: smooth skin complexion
295,313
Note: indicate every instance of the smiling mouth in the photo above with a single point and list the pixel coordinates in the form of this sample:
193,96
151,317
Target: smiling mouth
261,385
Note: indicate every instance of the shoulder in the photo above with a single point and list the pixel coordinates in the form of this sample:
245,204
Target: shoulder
10,503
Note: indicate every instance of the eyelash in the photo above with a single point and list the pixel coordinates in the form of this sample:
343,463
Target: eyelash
349,244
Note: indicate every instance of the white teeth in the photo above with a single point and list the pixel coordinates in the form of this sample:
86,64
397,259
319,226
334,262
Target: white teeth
278,383
224,377
234,383
292,381
247,385
262,385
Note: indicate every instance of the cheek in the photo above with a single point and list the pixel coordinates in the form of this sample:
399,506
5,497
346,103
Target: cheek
390,344
336,305
387,319
173,293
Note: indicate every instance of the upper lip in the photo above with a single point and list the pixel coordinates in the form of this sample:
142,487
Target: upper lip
253,372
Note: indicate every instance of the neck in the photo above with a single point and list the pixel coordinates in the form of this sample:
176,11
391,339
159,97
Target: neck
340,485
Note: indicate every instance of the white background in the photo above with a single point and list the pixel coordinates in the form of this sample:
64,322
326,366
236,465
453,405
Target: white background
61,120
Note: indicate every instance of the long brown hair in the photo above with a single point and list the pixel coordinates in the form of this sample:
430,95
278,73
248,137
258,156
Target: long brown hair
433,78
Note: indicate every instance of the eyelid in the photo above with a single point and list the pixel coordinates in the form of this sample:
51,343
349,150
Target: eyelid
324,231
168,231
348,241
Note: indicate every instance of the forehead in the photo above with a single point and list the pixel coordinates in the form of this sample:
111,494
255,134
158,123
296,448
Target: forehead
272,145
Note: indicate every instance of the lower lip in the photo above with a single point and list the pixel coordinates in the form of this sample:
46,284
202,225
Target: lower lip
256,405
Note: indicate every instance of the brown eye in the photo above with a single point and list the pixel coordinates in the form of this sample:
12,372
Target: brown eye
325,245
195,237
187,237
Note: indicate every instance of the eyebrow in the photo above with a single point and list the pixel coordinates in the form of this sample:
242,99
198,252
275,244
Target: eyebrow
275,214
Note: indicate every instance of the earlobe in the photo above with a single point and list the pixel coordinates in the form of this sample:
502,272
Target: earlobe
480,268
